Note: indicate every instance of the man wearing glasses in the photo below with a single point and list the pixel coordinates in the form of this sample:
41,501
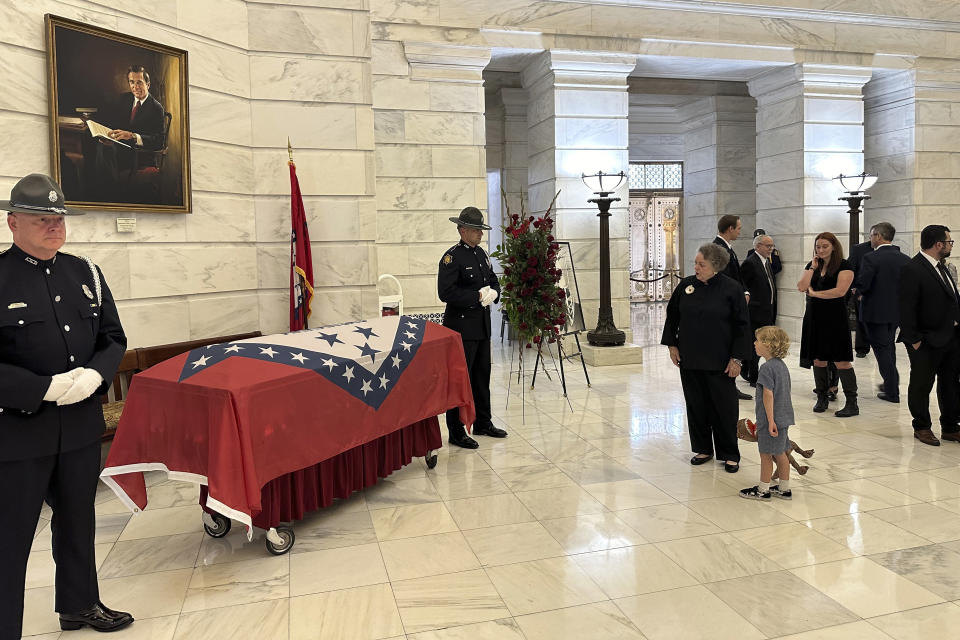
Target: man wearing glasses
758,277
929,321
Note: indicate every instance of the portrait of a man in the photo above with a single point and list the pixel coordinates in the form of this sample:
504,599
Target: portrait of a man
119,129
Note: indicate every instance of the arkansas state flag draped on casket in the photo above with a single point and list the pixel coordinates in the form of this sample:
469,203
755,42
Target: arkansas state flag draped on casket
301,260
235,416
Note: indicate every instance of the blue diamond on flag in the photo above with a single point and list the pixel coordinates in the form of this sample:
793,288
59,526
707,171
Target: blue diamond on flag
348,359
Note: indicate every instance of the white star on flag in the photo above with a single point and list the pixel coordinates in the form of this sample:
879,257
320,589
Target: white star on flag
412,325
348,374
410,335
383,381
406,346
299,357
329,363
268,351
202,362
234,348
365,387
396,361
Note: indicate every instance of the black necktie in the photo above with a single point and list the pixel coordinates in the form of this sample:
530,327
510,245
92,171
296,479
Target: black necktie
946,278
773,287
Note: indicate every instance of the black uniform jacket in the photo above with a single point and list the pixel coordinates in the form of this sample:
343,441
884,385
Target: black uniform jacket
857,253
149,122
463,272
708,322
763,301
878,281
929,310
50,323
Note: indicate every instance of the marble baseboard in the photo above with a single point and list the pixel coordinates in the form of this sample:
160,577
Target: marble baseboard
610,356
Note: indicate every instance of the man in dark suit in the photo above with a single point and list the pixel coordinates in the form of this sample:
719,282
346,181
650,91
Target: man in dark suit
757,273
776,264
878,286
860,344
728,230
467,283
137,117
929,320
60,345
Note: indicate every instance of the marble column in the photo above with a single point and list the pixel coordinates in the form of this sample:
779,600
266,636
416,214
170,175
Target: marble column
430,132
719,167
912,140
515,152
809,130
578,123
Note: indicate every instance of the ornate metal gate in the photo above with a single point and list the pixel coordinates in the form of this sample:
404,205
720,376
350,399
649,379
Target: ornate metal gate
655,241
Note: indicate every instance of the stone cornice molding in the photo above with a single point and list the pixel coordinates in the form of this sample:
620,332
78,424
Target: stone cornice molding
807,78
783,13
446,62
578,69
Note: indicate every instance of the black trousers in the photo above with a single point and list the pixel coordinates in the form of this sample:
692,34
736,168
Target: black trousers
882,338
68,483
712,413
926,364
478,364
860,342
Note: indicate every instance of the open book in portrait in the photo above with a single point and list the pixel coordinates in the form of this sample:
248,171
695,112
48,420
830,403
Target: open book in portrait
96,129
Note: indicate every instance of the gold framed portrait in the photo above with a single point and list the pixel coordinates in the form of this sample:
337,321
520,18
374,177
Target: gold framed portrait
119,119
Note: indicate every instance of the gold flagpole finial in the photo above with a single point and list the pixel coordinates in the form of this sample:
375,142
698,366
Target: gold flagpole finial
289,150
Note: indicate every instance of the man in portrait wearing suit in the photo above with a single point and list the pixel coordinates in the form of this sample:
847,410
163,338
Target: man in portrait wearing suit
728,230
860,344
757,272
137,117
878,286
929,319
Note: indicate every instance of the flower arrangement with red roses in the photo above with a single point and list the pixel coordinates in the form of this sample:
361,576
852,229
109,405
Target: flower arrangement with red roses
533,302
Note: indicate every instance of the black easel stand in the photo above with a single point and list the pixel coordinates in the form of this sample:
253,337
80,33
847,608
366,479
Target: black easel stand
561,358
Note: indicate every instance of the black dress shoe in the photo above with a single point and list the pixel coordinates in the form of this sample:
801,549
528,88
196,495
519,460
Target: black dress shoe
743,396
489,430
888,397
464,441
731,467
697,460
97,617
862,354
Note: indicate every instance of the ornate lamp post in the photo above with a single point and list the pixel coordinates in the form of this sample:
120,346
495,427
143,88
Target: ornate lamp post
603,184
856,189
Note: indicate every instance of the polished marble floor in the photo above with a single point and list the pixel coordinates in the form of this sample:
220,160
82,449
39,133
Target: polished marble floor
586,522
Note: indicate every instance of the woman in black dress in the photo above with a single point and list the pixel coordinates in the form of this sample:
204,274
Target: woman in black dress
708,333
826,335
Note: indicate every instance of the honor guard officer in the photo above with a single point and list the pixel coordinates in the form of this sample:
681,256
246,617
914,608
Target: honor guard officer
60,345
467,283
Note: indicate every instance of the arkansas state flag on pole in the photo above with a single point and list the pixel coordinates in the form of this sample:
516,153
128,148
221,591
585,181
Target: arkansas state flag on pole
301,261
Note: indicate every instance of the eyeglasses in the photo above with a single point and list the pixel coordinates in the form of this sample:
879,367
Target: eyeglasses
949,242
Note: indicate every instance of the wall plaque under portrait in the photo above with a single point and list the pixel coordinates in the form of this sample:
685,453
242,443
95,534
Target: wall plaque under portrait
568,282
119,131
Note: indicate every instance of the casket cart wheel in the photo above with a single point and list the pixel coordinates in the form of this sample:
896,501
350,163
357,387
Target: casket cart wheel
431,459
216,525
280,540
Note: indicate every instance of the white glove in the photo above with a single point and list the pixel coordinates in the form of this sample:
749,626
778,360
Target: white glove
59,384
487,296
84,384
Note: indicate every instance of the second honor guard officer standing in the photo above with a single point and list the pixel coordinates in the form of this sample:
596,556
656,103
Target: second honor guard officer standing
467,283
60,345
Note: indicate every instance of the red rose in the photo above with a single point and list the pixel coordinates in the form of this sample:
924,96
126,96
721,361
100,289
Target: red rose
536,339
528,244
509,286
513,259
506,271
523,325
561,294
532,261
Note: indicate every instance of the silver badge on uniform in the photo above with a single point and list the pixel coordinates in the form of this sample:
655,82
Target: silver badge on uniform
87,292
17,305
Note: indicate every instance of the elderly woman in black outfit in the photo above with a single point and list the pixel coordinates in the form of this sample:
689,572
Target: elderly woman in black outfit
826,334
708,333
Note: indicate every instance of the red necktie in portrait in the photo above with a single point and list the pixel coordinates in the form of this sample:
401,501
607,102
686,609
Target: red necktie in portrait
133,112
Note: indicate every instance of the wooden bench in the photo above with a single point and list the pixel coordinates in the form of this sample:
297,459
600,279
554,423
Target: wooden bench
141,358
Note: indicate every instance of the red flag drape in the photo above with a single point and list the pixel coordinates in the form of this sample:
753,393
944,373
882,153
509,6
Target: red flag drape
301,260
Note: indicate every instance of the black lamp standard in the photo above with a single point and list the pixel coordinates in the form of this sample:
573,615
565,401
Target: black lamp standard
856,189
606,334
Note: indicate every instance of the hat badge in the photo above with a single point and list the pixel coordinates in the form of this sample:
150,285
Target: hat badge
52,196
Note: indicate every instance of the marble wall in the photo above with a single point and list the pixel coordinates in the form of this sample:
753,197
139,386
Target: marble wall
259,72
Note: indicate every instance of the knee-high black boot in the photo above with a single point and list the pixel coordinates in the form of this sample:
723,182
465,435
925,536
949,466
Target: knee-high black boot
848,378
821,379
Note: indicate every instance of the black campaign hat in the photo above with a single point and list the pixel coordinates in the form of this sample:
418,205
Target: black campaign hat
37,194
471,217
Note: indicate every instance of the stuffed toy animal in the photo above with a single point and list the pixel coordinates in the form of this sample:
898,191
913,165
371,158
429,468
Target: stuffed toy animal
747,430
